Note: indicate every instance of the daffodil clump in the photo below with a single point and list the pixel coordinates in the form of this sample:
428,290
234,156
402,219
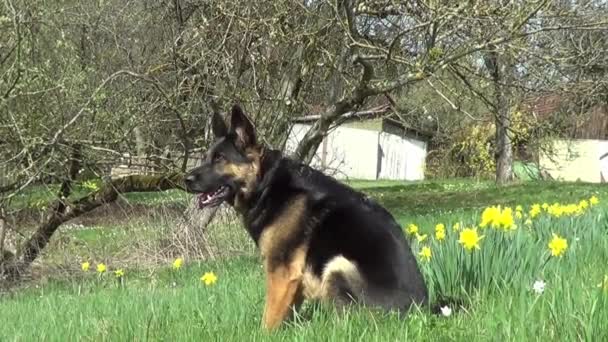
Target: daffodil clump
208,278
101,269
490,249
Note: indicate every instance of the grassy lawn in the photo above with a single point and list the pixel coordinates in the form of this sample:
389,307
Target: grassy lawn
495,281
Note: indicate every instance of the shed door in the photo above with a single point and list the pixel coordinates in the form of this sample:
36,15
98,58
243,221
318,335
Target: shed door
392,157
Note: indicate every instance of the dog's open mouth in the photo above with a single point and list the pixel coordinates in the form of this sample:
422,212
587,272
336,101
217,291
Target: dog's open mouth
214,198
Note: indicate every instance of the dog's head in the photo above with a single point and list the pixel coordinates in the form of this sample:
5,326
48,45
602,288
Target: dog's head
230,168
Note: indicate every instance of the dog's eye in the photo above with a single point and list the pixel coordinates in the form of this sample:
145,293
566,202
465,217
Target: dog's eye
218,158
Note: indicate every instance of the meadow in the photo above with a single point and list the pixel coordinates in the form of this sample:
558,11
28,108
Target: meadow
527,261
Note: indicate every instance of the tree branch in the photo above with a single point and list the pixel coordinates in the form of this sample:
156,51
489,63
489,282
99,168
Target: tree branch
107,194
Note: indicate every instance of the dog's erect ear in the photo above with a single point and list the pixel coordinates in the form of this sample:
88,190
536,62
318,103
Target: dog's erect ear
242,127
218,125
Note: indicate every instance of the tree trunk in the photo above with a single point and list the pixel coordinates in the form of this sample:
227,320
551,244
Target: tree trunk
504,148
2,235
500,70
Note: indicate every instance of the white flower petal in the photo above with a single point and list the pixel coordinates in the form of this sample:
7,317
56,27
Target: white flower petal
539,286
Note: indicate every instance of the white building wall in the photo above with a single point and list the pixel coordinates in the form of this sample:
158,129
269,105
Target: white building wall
355,153
352,153
415,162
401,158
602,150
579,159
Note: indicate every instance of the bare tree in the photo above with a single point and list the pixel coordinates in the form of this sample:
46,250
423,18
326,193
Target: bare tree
87,86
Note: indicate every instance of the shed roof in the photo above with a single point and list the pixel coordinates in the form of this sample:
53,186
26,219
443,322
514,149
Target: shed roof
384,112
587,121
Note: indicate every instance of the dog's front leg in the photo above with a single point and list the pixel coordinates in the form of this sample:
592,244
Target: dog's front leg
283,292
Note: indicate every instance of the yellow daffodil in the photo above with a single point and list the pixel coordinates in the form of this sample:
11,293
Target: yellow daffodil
470,239
420,238
535,210
440,235
545,206
456,226
583,204
177,264
440,232
412,229
496,217
572,210
490,216
85,266
518,214
519,208
558,245
425,253
505,220
119,273
101,268
594,200
209,278
555,210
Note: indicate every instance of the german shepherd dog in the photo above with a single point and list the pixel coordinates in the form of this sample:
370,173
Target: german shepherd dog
319,239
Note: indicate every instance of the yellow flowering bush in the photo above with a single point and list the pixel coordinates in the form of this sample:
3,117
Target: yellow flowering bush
473,149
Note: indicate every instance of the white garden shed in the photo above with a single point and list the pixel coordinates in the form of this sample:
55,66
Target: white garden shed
574,160
366,147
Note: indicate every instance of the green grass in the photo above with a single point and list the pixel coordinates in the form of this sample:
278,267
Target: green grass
400,197
495,281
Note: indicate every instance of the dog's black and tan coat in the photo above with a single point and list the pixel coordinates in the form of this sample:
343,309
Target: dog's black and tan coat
319,238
